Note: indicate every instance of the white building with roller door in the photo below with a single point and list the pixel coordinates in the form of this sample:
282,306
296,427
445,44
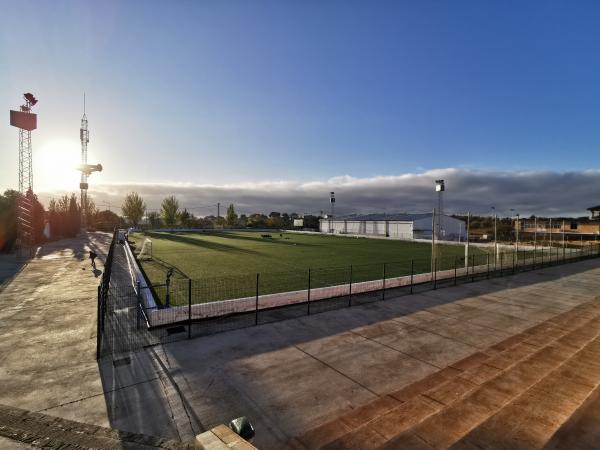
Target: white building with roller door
393,226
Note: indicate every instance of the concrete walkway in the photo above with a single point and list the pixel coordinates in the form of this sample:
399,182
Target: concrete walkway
290,377
48,344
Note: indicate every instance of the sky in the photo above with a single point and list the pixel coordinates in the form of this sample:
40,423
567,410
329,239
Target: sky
272,104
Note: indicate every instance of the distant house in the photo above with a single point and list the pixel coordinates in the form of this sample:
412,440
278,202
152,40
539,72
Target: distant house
594,212
398,226
580,228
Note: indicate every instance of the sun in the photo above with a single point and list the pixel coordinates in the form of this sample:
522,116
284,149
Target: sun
55,166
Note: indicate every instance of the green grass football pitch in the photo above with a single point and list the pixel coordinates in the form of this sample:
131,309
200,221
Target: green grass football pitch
229,261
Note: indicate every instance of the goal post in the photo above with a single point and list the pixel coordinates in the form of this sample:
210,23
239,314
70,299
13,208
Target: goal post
146,251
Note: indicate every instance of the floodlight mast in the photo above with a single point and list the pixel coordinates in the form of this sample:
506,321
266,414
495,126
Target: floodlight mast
332,201
26,122
440,187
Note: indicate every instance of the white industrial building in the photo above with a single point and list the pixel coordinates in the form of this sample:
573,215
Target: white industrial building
395,226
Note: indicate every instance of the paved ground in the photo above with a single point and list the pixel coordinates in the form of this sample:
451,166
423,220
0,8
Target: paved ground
291,376
48,344
287,377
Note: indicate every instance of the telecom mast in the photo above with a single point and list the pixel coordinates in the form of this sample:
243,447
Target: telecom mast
85,168
26,122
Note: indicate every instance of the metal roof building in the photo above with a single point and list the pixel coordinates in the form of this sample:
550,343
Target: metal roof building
395,226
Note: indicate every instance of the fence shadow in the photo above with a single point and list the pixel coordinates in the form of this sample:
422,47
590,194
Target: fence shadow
181,238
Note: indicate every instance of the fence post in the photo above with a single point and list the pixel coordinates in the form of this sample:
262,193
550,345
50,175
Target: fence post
308,299
189,308
412,271
455,271
488,266
350,297
98,318
383,293
513,260
256,300
139,304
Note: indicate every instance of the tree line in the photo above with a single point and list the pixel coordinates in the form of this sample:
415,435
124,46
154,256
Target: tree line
62,219
172,215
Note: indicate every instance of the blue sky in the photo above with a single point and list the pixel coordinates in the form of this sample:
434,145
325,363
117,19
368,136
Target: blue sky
225,92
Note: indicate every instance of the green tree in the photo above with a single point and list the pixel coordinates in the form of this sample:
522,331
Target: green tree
170,210
133,208
231,216
8,219
74,216
185,218
107,220
154,219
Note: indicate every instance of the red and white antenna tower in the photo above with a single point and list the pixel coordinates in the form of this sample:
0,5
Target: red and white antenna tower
26,122
85,168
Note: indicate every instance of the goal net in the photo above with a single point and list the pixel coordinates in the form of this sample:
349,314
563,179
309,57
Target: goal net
146,251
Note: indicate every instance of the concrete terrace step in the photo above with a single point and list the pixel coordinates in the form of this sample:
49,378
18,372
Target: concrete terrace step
41,430
534,417
444,406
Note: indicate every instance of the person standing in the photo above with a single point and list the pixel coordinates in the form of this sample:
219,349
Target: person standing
93,257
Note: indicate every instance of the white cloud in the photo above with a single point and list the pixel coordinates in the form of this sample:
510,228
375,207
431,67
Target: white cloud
527,192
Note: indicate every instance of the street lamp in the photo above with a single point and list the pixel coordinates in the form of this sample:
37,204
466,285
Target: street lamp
332,201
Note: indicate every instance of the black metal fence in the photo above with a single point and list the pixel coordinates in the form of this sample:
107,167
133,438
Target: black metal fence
189,308
103,289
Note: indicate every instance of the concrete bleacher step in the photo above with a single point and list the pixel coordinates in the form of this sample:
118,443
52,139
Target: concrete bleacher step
445,406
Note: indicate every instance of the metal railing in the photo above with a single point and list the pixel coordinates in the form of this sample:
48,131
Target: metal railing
211,305
103,289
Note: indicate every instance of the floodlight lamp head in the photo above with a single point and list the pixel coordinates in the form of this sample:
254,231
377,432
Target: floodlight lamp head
30,98
439,186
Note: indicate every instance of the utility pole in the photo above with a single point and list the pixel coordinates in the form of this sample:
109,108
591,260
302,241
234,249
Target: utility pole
467,246
535,235
495,238
517,235
432,239
218,210
563,235
550,232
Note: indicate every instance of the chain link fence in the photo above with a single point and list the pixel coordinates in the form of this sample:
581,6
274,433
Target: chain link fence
187,308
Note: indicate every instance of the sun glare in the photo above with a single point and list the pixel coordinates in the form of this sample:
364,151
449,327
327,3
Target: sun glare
55,166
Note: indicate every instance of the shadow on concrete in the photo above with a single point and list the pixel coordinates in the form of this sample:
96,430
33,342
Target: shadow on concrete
208,358
135,395
10,267
77,247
